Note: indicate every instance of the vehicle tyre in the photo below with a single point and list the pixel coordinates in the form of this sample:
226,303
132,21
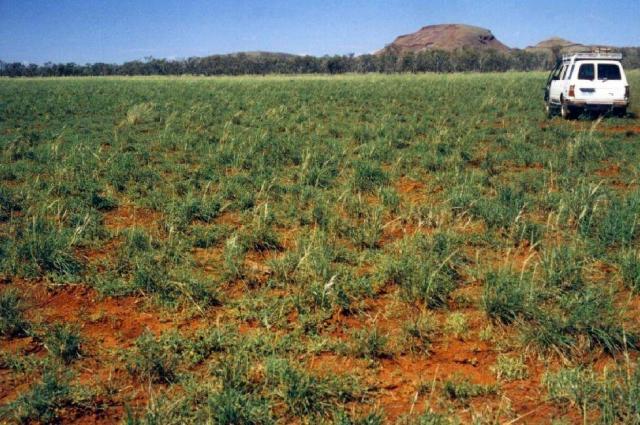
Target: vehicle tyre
548,109
566,111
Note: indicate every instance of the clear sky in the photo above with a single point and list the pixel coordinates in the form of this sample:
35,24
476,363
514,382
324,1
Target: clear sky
84,31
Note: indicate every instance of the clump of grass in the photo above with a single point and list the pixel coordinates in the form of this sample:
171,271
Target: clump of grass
430,417
151,277
562,267
461,389
130,173
372,418
137,241
368,232
419,332
507,297
457,325
577,386
261,237
43,402
501,212
153,359
525,231
195,208
102,202
620,394
140,113
207,237
47,248
629,262
584,320
621,222
12,309
234,255
306,394
390,199
63,341
8,203
370,344
230,406
614,394
368,176
510,368
424,268
238,400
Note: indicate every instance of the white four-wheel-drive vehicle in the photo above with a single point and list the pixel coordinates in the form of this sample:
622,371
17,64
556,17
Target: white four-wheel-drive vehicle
587,82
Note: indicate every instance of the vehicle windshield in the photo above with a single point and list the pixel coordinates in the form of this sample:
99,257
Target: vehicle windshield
608,71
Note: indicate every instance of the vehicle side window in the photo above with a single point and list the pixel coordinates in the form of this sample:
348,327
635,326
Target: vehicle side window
555,75
573,67
608,71
587,72
563,72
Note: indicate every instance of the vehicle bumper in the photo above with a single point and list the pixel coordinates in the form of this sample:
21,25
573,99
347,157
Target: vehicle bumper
597,106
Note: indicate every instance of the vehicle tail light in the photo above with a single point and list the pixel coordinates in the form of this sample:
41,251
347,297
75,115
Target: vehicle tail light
572,91
627,92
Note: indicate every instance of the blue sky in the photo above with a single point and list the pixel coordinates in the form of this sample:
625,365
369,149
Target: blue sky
84,31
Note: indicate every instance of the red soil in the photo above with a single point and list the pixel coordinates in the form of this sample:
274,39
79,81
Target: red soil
125,216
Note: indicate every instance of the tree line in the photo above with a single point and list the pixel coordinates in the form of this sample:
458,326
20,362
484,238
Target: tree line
463,60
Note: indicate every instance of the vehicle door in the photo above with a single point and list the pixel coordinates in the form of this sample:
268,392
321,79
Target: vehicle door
550,78
585,82
610,83
555,88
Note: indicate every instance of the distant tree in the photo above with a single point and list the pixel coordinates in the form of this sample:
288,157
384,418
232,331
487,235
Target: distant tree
460,60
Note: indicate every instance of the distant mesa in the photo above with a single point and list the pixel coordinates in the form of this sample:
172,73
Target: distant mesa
444,37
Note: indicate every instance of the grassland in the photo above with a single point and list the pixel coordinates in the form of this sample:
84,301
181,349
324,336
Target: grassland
422,249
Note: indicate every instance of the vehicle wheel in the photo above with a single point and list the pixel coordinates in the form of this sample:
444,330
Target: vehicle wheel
566,111
548,109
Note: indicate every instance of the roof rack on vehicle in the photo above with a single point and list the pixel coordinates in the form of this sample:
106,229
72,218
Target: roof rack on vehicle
593,55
